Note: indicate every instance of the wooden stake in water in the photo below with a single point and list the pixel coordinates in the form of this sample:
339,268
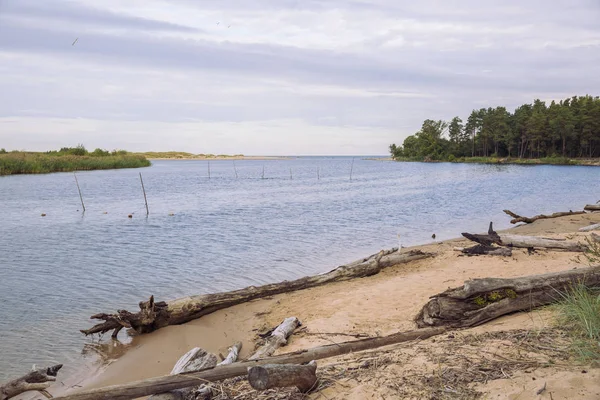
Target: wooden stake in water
263,172
209,170
235,170
79,189
145,198
291,176
351,168
318,174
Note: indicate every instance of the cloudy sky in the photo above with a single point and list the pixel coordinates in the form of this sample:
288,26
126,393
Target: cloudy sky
278,76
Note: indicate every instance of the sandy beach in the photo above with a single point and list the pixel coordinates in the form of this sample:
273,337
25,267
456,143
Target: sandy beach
374,306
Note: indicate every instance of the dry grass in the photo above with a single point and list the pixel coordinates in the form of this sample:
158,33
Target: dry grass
447,367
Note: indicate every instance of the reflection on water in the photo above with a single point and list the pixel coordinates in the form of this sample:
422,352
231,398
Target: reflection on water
205,235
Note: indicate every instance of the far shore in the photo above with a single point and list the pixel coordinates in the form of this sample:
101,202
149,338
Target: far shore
222,158
374,306
505,160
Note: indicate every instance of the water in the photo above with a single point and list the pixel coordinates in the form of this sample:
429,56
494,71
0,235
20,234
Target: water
227,233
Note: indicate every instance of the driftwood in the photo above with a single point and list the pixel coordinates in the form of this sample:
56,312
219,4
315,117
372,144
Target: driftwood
517,218
481,300
196,359
589,228
283,375
592,207
38,379
481,249
504,239
277,338
155,315
171,382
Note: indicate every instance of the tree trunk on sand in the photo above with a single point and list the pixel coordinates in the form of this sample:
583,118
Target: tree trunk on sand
481,300
592,207
589,228
38,379
517,218
155,315
194,360
270,376
504,239
481,249
277,339
170,382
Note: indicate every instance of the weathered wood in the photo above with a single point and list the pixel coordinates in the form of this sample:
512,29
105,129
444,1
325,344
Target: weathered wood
166,383
481,300
270,376
277,338
517,218
196,359
232,356
589,228
504,239
480,249
592,207
155,315
38,379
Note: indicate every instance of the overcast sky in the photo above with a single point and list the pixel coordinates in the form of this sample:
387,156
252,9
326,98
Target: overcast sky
274,77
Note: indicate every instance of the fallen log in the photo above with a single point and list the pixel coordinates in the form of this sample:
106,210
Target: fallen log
232,356
592,207
196,359
589,228
480,249
481,300
155,315
508,240
270,376
171,382
277,338
517,218
38,379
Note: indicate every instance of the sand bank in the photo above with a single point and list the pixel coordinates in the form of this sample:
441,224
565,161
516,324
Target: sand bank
374,306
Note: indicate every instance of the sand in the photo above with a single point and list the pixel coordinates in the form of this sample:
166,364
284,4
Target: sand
377,305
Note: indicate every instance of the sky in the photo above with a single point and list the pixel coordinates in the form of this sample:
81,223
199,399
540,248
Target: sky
278,77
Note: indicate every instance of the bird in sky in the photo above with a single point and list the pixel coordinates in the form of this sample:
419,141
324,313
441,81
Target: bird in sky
218,22
75,41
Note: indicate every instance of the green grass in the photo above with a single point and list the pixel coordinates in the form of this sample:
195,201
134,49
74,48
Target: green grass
41,163
579,313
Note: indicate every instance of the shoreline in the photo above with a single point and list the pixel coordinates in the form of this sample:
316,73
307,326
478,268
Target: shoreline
357,306
593,162
218,158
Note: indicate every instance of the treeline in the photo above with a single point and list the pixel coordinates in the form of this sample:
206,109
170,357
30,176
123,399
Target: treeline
67,159
569,128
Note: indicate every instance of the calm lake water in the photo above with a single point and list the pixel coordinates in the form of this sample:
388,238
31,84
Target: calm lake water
227,233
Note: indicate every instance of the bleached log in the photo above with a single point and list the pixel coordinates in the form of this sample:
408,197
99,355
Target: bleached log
589,228
517,218
196,359
270,376
232,356
38,379
277,339
592,207
481,300
504,239
150,386
155,315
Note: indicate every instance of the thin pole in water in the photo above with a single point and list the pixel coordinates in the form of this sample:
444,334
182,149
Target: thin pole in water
145,198
263,172
79,189
208,169
291,176
318,174
235,170
351,168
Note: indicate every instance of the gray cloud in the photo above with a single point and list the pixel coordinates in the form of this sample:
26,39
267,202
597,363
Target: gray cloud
381,64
